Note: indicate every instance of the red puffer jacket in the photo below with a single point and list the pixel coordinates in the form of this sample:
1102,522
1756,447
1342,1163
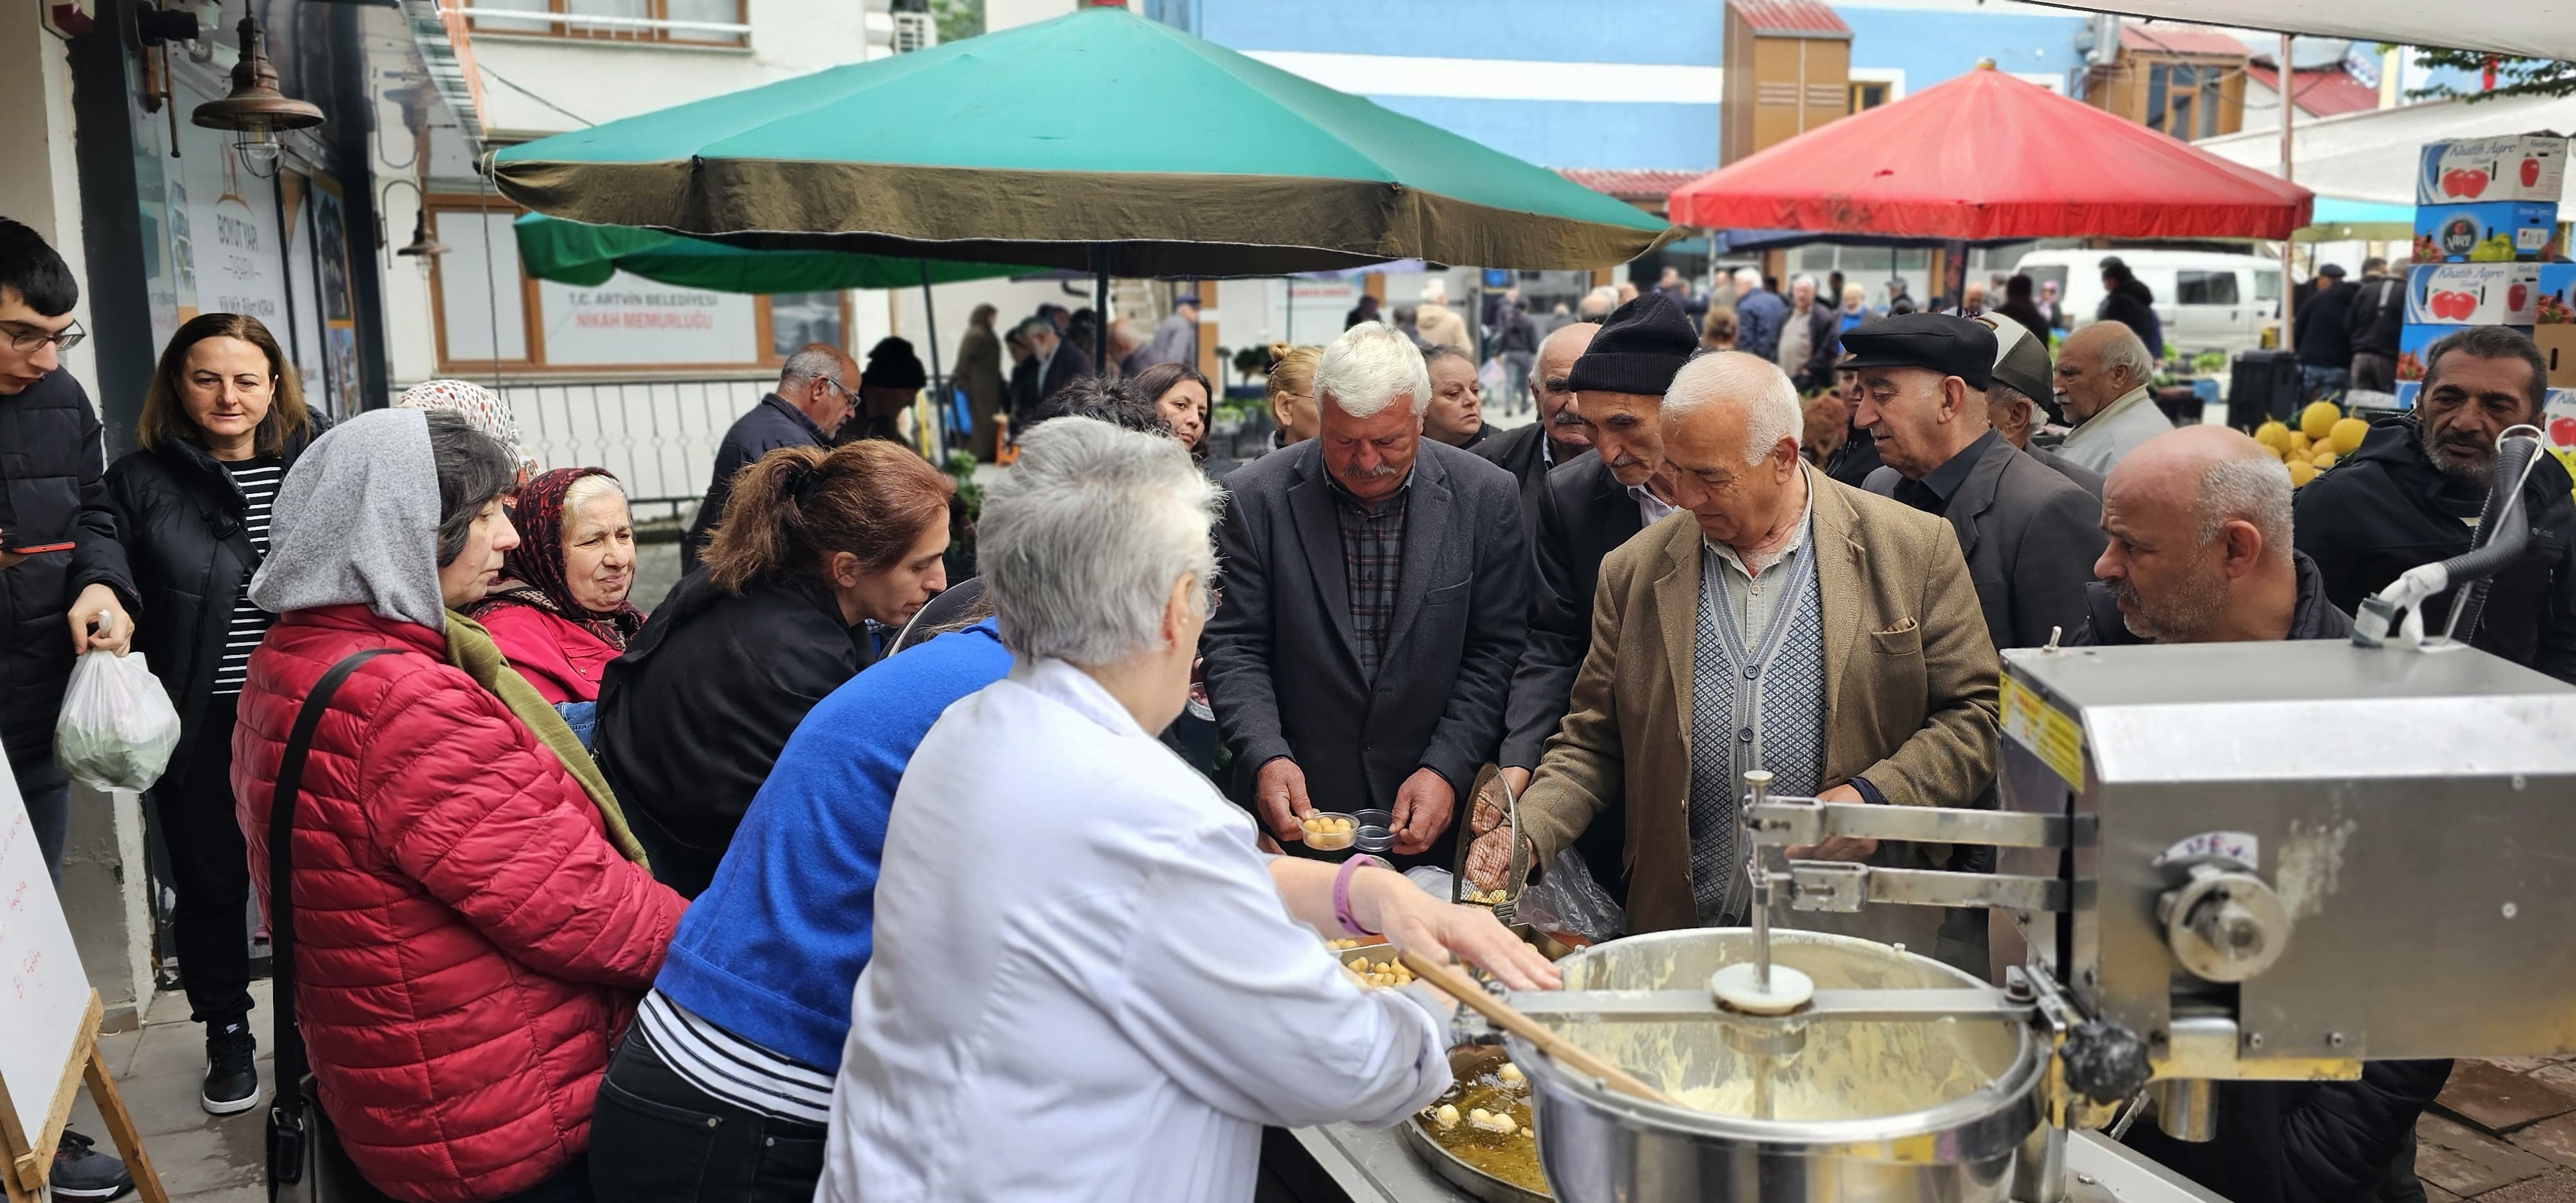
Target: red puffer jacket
468,942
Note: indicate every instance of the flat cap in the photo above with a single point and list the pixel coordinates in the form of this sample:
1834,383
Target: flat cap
2021,359
1952,346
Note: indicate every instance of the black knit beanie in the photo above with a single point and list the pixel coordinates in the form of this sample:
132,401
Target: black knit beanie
1639,349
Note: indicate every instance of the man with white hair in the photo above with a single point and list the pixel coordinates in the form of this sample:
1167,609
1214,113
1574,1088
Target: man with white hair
816,389
2103,374
1375,586
1530,452
1830,637
1176,340
1760,315
1130,352
1809,337
1439,325
2199,549
1597,304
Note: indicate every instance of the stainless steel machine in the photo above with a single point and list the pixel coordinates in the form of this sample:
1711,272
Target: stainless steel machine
2230,862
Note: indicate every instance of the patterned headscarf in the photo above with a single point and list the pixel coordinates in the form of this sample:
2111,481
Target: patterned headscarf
538,560
478,405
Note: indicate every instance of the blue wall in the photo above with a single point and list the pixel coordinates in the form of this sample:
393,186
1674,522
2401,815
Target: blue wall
1931,46
1560,133
1689,32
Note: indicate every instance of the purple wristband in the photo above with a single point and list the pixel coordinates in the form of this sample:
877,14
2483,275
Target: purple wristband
1342,894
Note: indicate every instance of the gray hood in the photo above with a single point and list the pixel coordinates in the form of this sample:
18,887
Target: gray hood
356,523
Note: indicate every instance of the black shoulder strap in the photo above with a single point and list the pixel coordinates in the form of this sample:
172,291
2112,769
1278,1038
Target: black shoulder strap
287,1040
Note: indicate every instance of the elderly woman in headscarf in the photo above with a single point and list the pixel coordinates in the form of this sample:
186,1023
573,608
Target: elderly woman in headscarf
1083,979
469,921
561,615
481,408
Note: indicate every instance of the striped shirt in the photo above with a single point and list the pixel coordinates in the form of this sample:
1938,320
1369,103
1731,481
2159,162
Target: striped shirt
258,480
1372,566
732,1068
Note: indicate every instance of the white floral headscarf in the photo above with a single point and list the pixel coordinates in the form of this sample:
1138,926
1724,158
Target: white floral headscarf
479,406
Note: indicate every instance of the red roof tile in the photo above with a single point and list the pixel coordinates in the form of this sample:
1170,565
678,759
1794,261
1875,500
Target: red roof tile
2320,91
2179,39
1794,17
1629,184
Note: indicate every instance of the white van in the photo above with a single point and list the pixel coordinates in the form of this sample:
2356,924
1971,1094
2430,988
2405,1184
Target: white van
2206,300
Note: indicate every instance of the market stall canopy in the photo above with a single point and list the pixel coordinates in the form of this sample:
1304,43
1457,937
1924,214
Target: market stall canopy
2373,156
2538,28
1986,157
569,252
1098,140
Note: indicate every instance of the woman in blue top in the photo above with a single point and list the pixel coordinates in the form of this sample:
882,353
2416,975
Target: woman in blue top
723,1087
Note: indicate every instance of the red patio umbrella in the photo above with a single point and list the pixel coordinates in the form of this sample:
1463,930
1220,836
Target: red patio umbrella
1986,157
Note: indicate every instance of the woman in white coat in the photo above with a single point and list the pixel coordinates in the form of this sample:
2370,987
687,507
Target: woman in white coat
1087,983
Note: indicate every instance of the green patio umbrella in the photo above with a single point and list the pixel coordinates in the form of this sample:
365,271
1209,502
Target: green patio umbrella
570,252
1098,141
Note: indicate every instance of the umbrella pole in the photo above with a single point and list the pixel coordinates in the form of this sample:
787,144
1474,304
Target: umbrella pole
1100,310
938,395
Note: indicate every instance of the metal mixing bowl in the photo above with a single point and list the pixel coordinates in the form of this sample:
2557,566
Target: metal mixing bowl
1963,1090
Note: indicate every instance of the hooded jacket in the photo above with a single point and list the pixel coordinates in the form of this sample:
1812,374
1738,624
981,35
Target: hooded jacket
2387,509
182,519
468,942
2131,303
51,491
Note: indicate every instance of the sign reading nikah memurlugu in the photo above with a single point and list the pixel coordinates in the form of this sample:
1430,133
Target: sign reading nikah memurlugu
631,320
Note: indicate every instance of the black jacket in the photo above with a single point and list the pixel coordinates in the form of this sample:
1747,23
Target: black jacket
2031,537
2313,618
1028,388
1824,345
2387,509
182,515
2325,334
1518,451
1281,672
1584,515
2304,1142
2133,304
1852,462
53,489
2378,313
766,427
694,714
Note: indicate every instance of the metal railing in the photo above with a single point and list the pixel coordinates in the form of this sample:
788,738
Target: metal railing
491,19
658,436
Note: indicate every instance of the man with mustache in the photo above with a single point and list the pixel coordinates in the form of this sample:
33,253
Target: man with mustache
1374,585
1591,505
2200,551
1531,452
2412,493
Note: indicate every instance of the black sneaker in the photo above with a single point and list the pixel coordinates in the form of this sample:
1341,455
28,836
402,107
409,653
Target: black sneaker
232,1080
82,1172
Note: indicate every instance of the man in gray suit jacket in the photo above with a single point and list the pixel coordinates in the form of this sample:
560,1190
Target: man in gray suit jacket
2030,534
1373,586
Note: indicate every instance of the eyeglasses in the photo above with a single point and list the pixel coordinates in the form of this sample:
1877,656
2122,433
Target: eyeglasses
28,339
836,386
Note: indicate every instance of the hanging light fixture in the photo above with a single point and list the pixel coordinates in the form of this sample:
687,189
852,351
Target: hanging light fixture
255,109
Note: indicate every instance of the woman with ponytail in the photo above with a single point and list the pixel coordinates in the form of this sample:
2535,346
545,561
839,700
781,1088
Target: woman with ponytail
813,546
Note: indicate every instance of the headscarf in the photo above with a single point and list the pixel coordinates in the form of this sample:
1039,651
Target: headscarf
478,405
356,523
538,560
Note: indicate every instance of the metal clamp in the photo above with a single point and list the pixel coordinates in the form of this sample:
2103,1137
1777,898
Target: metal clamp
1806,822
1841,887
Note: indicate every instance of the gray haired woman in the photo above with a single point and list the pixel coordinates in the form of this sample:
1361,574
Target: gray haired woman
1146,990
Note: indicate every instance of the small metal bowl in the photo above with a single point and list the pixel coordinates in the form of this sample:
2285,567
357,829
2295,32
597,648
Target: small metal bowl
1331,841
1377,831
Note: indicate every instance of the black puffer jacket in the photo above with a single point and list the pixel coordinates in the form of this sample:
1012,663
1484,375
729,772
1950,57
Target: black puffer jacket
181,515
52,490
2388,509
694,715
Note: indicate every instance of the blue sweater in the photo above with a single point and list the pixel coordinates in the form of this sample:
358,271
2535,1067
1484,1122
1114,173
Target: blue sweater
771,950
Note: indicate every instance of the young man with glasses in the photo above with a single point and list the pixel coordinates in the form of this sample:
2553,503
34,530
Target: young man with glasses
64,587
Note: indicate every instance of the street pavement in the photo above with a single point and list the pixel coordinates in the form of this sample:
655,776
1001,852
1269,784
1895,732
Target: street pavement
2502,1132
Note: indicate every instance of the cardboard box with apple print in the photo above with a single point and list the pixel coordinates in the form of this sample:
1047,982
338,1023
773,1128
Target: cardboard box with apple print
2555,313
2486,232
2472,294
2517,167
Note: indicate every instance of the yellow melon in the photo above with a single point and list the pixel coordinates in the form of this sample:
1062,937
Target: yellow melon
2323,459
2318,419
2348,434
2301,472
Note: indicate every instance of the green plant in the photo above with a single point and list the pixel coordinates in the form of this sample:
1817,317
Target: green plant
2513,76
961,468
2209,363
1251,361
958,20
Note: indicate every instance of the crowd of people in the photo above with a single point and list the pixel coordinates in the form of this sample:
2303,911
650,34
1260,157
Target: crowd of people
831,875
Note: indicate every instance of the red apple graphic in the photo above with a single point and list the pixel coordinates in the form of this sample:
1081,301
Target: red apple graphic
2516,296
2474,183
2530,172
2562,431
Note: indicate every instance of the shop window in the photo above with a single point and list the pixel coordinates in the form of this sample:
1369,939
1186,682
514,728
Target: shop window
491,315
699,22
1867,95
2183,99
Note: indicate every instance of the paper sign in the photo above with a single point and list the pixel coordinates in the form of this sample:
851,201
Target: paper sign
2045,730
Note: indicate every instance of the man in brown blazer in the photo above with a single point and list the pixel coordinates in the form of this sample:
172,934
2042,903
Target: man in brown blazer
1781,620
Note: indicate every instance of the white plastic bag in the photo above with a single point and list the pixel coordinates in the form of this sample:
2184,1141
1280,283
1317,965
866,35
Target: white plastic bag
1568,900
117,727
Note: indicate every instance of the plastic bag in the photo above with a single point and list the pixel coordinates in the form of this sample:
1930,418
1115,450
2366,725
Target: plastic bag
1568,900
117,727
1494,379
